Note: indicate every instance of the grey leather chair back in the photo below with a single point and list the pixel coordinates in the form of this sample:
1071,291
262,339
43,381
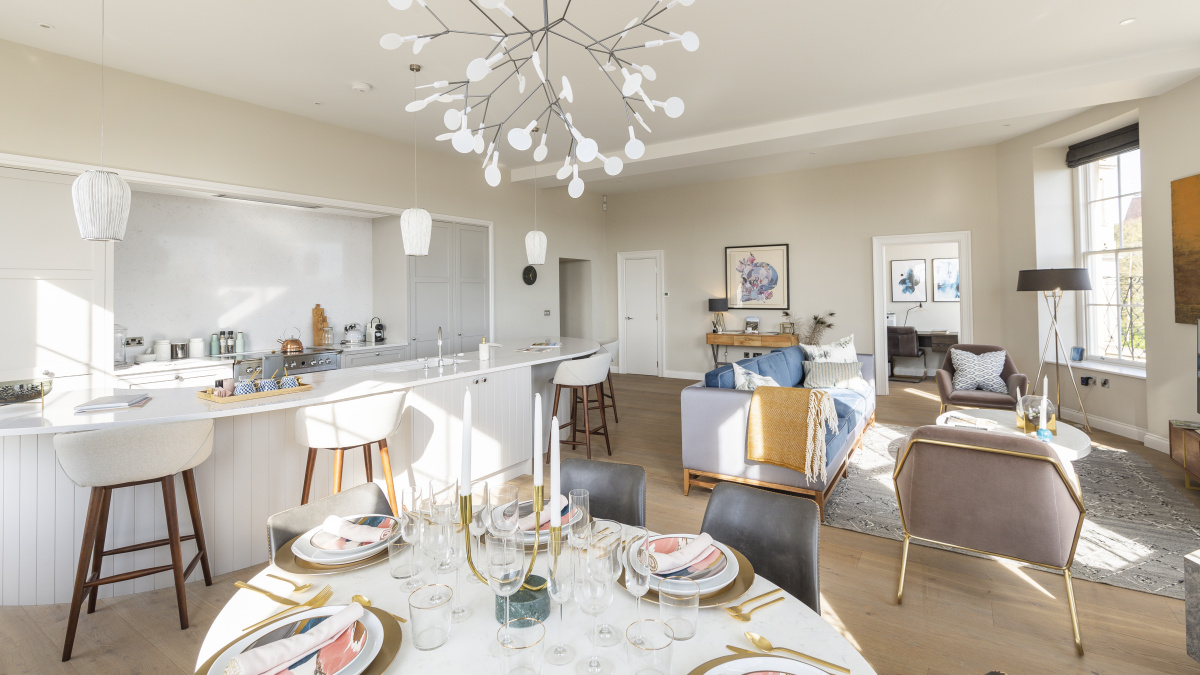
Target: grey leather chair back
615,491
285,525
777,533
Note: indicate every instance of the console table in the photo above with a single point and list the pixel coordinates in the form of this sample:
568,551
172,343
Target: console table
1185,451
716,340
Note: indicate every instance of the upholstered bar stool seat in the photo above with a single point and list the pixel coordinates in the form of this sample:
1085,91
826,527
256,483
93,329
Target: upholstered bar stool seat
577,376
109,459
358,422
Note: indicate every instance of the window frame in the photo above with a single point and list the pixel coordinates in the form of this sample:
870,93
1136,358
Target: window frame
1083,251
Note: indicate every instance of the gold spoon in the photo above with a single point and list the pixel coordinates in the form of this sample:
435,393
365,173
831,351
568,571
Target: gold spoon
765,645
366,602
296,588
745,616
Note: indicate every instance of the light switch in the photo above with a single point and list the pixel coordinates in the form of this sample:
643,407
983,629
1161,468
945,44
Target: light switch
546,313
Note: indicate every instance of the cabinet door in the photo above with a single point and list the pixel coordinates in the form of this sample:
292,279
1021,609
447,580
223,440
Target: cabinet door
371,358
430,293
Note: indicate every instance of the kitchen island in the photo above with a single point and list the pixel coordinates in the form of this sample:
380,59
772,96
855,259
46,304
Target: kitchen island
256,468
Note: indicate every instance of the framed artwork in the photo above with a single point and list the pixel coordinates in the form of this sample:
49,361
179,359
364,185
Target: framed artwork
945,280
1185,243
908,281
756,277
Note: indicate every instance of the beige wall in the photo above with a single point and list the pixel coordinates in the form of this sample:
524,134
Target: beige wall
51,110
828,217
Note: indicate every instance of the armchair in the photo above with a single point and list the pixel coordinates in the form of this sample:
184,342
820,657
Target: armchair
990,492
1016,382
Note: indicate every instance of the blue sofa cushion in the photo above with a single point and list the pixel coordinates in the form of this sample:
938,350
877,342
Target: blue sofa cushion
721,378
794,357
775,367
850,404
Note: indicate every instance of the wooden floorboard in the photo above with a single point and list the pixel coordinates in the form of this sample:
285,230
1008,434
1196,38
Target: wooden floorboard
961,614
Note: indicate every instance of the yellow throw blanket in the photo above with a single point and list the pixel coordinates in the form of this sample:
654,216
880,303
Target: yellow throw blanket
787,428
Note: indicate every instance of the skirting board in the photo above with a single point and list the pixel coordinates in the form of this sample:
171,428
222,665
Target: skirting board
1119,428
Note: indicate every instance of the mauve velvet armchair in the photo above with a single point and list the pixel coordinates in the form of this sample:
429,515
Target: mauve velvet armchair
1016,382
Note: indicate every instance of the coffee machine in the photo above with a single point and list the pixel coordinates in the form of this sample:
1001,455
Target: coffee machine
375,331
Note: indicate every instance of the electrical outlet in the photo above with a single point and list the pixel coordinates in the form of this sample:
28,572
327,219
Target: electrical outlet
745,355
1104,383
758,353
134,342
546,313
1087,381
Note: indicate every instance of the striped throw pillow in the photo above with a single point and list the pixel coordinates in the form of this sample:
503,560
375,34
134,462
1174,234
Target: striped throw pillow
825,374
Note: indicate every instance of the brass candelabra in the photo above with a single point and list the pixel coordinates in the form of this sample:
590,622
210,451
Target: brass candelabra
466,509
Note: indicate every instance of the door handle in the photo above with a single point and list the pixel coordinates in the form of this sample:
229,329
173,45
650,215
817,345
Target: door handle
629,318
179,378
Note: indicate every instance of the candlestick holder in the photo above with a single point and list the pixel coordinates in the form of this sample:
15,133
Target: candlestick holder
466,512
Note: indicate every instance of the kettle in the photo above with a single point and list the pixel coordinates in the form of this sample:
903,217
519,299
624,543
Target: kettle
354,333
291,345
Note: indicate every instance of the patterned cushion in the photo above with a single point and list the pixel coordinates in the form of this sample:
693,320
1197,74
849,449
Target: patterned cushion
825,374
978,371
749,381
841,351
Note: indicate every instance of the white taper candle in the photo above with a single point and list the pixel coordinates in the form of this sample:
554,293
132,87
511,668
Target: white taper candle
537,440
555,477
464,481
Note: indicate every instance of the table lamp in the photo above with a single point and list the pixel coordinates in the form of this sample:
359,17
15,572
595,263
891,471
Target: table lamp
1053,283
718,306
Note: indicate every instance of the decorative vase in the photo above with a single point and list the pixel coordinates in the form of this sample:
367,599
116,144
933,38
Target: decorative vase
1029,413
526,604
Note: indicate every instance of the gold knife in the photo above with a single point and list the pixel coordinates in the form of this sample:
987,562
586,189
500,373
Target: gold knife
812,660
277,598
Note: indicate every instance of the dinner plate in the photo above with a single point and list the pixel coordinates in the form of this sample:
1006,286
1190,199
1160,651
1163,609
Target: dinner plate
747,664
286,560
305,549
371,640
735,590
526,507
325,541
713,577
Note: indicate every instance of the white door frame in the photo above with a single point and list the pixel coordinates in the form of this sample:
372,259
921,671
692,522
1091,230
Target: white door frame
661,280
880,283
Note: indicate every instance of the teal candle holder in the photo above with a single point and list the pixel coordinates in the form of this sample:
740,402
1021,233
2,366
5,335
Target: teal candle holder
526,604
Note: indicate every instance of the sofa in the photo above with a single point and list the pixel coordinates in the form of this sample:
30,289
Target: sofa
714,416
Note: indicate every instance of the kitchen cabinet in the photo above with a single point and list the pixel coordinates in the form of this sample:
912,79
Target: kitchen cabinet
450,289
372,357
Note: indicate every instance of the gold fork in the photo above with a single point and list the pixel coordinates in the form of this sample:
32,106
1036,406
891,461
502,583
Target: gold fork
275,598
737,609
317,600
296,588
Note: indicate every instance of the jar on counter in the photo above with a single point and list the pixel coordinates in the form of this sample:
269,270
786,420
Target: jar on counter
327,336
162,350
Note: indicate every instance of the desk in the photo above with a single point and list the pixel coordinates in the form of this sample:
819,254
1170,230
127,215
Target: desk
936,341
716,340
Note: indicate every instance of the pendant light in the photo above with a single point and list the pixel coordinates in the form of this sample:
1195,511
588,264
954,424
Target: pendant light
535,240
101,197
416,225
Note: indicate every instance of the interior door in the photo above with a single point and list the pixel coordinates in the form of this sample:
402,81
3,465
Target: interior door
471,287
640,351
430,281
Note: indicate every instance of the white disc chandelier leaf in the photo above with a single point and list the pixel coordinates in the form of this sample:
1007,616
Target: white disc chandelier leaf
521,56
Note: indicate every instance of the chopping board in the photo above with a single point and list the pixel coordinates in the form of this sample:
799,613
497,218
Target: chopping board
319,322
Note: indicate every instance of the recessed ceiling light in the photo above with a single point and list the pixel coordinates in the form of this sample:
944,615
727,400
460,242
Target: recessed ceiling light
42,24
1128,21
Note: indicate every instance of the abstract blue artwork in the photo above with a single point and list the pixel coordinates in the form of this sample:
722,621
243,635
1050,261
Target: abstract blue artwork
945,280
908,281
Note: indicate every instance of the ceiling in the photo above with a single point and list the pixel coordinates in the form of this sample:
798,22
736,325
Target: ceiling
776,84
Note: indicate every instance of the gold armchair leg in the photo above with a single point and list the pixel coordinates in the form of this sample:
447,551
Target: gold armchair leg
942,410
904,566
1074,616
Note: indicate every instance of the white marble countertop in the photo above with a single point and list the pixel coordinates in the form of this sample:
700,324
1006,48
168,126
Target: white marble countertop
150,367
178,405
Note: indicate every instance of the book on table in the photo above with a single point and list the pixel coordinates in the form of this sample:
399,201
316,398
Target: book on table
117,402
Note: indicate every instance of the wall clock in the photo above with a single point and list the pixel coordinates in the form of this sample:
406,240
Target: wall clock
529,275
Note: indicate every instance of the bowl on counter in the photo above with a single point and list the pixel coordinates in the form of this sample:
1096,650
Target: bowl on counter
145,358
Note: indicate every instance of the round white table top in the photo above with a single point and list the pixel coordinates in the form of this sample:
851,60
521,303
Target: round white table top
1071,443
791,624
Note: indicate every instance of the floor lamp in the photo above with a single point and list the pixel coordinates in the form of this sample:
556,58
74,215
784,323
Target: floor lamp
1052,283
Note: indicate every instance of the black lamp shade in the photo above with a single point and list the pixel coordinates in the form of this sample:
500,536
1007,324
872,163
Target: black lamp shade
1064,279
718,305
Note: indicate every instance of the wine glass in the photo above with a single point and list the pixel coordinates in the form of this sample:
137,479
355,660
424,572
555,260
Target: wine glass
456,559
502,509
505,566
443,503
609,548
637,575
479,519
411,527
560,577
593,590
579,528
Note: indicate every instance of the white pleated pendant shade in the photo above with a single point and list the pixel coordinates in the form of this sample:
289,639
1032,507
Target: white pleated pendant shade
101,205
416,226
535,247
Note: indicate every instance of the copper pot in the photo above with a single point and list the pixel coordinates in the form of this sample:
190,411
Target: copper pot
291,345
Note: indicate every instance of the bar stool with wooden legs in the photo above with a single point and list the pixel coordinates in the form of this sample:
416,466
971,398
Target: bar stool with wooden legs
348,425
108,459
577,376
608,391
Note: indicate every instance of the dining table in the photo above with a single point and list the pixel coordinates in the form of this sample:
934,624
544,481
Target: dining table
791,624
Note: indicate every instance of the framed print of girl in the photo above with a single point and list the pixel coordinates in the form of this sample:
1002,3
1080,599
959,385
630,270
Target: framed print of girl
756,277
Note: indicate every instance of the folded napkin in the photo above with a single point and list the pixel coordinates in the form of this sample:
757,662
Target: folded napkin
345,529
277,656
672,561
526,522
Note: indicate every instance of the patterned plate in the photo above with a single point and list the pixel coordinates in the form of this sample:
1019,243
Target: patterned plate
753,664
715,575
325,541
353,653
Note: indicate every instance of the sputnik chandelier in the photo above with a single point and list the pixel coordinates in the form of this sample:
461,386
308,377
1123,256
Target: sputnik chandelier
524,53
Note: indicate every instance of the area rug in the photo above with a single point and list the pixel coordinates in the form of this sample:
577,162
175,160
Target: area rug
1137,530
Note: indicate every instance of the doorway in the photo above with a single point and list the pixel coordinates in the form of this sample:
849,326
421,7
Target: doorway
934,312
640,319
575,297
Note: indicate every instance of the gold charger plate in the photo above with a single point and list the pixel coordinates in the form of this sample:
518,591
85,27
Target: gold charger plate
741,583
392,637
722,660
286,560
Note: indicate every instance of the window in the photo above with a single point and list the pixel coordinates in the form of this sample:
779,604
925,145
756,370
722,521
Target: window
1110,217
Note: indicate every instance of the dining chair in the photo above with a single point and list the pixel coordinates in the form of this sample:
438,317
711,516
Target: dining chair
778,534
287,525
615,491
121,457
